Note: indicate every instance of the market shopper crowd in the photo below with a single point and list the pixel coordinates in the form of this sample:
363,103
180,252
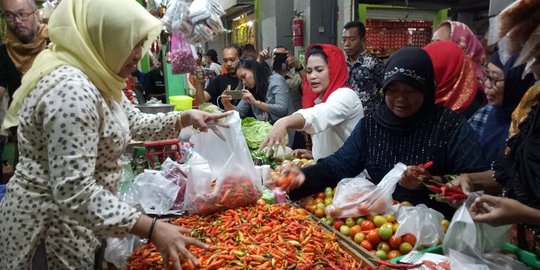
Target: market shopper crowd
471,114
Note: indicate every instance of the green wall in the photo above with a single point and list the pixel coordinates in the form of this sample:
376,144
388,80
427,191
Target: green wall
440,16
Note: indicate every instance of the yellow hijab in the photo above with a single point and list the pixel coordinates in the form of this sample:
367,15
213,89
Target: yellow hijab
95,36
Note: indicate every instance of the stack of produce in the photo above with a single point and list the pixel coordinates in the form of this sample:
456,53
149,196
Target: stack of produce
256,237
373,232
255,131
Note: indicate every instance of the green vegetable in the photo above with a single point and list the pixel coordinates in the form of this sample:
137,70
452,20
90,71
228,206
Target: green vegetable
255,131
269,197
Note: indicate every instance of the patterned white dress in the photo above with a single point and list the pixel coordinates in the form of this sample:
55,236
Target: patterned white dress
62,193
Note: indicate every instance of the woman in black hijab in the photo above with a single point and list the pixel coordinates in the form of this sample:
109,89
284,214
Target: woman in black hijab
493,133
407,128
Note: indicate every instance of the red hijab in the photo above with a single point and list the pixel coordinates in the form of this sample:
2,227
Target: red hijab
454,75
463,36
338,75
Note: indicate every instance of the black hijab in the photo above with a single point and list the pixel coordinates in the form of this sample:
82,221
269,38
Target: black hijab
410,65
493,138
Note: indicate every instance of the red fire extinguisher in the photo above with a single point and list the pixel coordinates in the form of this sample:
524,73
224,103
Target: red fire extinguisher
298,29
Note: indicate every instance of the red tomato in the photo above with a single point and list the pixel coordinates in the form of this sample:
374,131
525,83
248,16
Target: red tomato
373,237
337,224
367,245
284,181
409,238
354,230
363,209
367,225
394,241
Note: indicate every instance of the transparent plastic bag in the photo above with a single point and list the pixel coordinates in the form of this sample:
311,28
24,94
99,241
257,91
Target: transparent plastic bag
466,237
421,221
221,173
118,250
176,18
181,55
359,196
175,173
153,192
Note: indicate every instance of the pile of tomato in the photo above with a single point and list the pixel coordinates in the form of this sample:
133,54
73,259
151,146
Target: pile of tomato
373,232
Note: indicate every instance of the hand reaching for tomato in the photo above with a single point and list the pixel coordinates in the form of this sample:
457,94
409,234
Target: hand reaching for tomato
292,178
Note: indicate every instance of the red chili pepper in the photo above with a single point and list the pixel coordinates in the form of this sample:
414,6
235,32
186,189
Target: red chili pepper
456,197
426,165
434,188
399,265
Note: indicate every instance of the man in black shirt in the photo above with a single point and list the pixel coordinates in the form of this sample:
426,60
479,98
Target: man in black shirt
216,86
154,83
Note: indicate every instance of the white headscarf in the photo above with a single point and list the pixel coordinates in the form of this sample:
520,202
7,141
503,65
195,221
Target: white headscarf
95,36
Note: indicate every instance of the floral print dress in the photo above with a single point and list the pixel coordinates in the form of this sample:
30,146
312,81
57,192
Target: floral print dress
63,191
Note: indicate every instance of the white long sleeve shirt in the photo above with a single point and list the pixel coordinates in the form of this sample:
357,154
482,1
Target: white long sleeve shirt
331,123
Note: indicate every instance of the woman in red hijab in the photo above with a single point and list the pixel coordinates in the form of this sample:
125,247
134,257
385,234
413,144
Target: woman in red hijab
464,37
455,78
330,109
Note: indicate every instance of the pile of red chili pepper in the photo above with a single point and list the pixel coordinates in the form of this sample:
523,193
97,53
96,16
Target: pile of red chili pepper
263,236
233,191
444,191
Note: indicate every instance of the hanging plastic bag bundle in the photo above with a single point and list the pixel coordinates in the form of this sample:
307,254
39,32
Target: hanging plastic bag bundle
359,196
182,55
176,18
198,20
221,173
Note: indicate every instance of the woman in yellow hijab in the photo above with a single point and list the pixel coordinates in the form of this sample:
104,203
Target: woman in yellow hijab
74,124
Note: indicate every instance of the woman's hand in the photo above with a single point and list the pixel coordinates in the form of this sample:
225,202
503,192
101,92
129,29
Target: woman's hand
226,99
170,240
302,153
199,119
496,211
464,181
413,177
275,138
248,97
296,182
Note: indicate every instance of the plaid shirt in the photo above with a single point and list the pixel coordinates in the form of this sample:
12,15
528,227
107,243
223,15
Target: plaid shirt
365,78
479,119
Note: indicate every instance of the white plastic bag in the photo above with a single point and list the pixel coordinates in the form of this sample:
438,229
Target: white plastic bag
221,173
174,172
154,192
421,221
359,196
465,237
118,250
